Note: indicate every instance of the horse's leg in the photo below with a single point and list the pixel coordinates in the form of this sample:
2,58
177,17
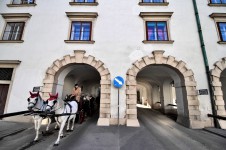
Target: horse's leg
38,125
57,126
60,132
35,123
68,124
73,123
49,122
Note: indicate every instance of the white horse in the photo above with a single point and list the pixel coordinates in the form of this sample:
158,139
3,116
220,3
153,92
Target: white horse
64,111
36,103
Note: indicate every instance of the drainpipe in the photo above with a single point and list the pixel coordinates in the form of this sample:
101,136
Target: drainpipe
216,123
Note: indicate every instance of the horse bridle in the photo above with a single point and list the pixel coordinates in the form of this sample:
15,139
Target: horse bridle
36,100
51,107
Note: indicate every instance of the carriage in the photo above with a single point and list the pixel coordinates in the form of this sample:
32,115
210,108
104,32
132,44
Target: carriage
62,110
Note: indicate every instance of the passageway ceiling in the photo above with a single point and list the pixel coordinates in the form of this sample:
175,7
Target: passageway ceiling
156,74
84,73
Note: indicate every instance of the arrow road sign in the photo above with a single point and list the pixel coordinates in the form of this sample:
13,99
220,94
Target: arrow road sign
118,82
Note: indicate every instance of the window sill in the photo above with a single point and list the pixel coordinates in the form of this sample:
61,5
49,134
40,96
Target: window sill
158,42
84,4
21,5
153,4
79,42
217,5
221,42
11,41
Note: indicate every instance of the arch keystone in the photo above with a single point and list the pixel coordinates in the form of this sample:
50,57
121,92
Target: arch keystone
79,54
158,55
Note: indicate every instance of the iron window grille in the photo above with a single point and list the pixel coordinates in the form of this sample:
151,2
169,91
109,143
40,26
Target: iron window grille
13,31
156,31
6,73
153,1
222,30
23,1
84,1
81,31
218,1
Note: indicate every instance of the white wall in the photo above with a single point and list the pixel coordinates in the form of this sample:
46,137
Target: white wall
118,33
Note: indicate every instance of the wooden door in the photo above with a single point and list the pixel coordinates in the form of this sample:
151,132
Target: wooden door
3,96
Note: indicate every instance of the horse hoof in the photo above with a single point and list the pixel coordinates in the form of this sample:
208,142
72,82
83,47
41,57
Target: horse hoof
69,130
55,144
35,141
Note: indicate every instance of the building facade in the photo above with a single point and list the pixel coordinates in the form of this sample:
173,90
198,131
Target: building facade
153,44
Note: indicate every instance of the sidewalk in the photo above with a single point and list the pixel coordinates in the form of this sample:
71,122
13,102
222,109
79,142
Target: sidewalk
219,132
8,128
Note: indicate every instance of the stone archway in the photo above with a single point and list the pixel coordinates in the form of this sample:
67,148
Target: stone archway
219,67
194,118
79,57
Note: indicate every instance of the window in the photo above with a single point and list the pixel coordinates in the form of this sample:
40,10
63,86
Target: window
218,1
6,73
82,24
23,2
222,30
220,23
156,27
13,31
84,1
156,31
153,1
14,27
81,31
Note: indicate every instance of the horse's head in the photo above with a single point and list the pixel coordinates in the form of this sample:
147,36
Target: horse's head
32,100
51,102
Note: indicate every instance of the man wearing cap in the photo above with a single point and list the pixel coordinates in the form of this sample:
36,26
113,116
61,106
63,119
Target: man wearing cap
76,93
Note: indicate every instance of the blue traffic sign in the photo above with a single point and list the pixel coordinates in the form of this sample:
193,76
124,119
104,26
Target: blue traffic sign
118,82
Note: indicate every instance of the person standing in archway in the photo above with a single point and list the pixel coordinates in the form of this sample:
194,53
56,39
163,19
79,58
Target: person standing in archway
76,93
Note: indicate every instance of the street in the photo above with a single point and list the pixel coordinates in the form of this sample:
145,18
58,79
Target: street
157,132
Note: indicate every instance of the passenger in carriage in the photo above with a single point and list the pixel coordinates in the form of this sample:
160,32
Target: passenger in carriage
76,93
